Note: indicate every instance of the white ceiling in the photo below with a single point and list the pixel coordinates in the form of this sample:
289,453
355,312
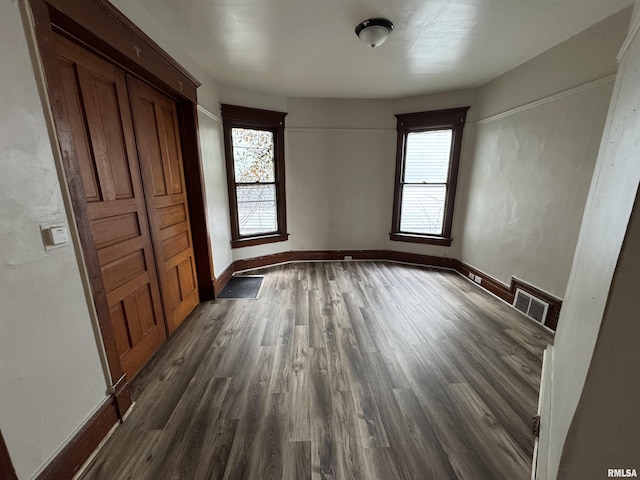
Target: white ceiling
309,48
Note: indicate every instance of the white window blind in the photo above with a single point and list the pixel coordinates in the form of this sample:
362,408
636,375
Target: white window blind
257,211
424,182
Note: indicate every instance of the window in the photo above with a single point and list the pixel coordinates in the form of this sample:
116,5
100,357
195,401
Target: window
254,151
427,158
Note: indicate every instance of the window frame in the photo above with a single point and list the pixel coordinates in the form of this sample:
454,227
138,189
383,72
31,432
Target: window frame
256,119
454,119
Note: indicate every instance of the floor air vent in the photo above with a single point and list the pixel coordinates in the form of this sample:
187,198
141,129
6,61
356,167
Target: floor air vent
531,306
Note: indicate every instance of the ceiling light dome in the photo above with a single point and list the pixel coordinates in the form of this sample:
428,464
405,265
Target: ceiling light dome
374,31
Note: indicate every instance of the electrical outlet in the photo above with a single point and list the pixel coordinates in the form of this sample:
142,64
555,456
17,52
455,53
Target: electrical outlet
348,257
478,279
472,276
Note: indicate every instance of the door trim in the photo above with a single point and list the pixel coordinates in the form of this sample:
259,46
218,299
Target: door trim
6,466
100,27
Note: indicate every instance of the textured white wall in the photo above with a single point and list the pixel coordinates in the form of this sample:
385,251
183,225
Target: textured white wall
355,195
588,55
215,179
531,169
529,182
340,159
595,371
51,378
340,166
246,98
339,175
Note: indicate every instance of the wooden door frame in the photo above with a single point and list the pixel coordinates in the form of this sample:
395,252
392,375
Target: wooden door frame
7,471
100,27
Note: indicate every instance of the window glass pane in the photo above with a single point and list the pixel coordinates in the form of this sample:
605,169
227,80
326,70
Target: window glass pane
422,209
427,156
257,212
253,155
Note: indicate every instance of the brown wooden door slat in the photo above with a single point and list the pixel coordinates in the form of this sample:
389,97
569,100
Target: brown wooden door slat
120,293
100,118
94,120
169,200
107,209
82,146
174,230
113,252
178,259
156,127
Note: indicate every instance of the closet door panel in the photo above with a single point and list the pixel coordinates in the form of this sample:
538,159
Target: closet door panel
158,140
101,126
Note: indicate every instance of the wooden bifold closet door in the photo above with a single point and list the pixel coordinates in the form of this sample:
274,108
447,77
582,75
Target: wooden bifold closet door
156,125
143,304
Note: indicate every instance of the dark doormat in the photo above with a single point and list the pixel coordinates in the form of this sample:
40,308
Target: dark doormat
242,287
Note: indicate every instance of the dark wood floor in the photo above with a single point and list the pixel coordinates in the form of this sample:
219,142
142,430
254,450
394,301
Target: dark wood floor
365,370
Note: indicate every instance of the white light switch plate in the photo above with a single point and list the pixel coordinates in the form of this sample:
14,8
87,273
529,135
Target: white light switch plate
54,236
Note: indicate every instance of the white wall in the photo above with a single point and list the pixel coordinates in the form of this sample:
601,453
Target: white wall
339,173
340,164
214,172
247,98
51,378
340,157
595,373
532,167
588,55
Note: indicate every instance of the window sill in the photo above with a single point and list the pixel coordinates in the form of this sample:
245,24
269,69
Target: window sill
426,239
251,241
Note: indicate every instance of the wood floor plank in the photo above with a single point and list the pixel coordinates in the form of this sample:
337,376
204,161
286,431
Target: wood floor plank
297,461
270,444
364,342
316,321
348,451
500,454
339,370
322,460
431,388
188,435
371,427
522,369
242,461
423,436
132,467
213,462
380,464
299,414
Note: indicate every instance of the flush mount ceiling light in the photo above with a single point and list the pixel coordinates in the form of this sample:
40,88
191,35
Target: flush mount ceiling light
374,31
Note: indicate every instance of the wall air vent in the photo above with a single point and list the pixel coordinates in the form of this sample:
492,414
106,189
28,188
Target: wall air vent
531,306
